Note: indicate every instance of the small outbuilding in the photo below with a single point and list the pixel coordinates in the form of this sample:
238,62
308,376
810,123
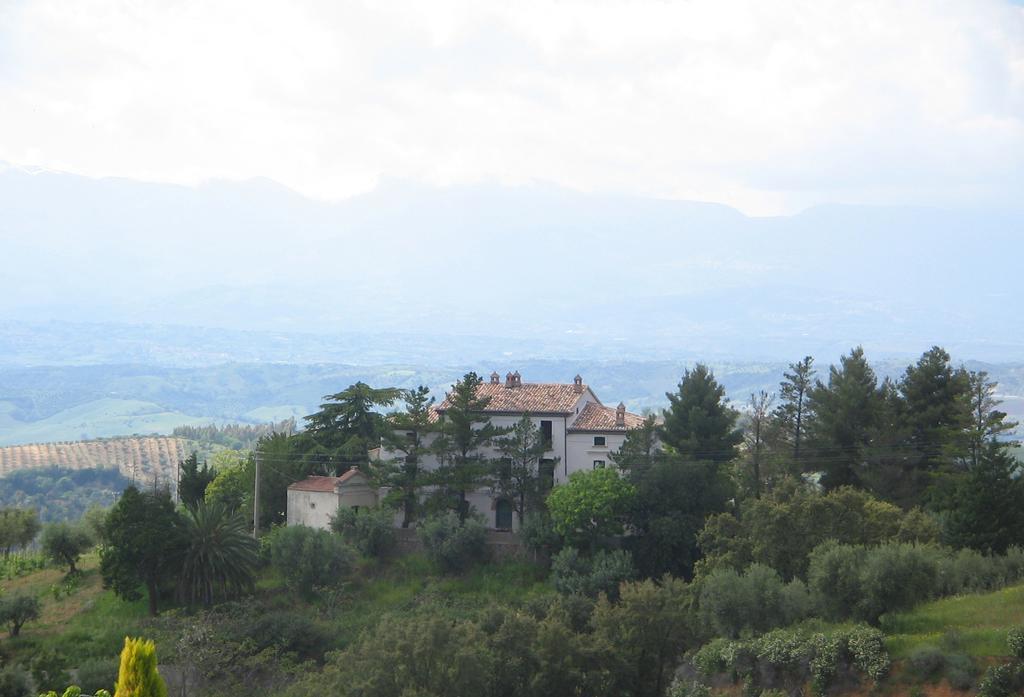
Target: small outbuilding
315,500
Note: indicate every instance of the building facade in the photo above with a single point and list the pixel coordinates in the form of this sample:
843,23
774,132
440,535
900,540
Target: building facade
581,433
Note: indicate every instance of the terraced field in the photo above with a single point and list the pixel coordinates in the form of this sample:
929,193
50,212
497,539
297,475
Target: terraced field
137,457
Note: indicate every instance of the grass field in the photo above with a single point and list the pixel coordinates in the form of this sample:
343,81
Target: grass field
980,623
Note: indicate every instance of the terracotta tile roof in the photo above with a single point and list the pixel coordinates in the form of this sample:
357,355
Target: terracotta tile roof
597,417
532,397
323,484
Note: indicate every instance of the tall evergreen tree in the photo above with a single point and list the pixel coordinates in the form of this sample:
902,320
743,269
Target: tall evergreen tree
516,474
348,425
792,412
756,434
193,480
986,421
464,429
639,451
408,433
699,423
985,508
846,412
936,410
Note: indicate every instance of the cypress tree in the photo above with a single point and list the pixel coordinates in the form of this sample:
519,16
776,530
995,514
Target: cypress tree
138,676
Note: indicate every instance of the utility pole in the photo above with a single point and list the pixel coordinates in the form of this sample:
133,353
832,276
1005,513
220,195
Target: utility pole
177,480
256,497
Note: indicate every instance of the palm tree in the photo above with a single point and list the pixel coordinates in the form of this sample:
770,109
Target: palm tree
221,558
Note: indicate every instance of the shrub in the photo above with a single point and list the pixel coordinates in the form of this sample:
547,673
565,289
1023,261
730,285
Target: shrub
49,669
138,675
14,683
960,671
370,530
539,535
97,674
1015,640
895,577
1001,681
455,546
691,688
307,558
926,662
289,632
575,574
756,600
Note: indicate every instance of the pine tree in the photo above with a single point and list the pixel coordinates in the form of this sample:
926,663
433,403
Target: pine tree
138,675
699,423
193,480
792,413
986,421
516,475
936,410
464,429
756,434
348,426
846,412
985,509
408,433
639,451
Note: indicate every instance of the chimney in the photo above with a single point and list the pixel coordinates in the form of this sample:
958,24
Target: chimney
517,378
620,415
510,380
577,383
495,378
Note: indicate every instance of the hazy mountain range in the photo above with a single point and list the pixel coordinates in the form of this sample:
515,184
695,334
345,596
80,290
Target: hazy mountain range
133,307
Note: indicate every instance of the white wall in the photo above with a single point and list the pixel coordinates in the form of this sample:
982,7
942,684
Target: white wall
583,452
312,508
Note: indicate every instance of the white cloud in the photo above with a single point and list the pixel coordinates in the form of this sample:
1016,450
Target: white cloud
768,106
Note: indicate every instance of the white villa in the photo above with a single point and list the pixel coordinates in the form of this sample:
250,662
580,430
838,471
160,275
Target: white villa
582,433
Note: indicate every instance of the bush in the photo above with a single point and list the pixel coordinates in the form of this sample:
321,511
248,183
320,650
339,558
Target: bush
691,688
49,670
97,674
1001,681
455,546
960,671
371,530
14,683
307,558
289,632
756,600
1015,640
926,662
538,534
575,574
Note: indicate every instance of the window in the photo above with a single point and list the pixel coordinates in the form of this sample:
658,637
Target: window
505,468
598,464
545,432
355,509
312,504
598,440
547,474
503,515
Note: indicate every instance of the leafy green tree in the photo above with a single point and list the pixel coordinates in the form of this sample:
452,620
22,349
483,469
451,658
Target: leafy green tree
591,505
986,421
453,544
138,675
221,557
348,424
371,531
16,610
144,542
18,527
516,475
936,407
984,509
464,429
408,433
232,483
283,462
64,543
846,413
673,499
193,480
699,423
793,410
650,629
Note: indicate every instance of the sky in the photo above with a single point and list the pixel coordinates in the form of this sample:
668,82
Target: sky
769,106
